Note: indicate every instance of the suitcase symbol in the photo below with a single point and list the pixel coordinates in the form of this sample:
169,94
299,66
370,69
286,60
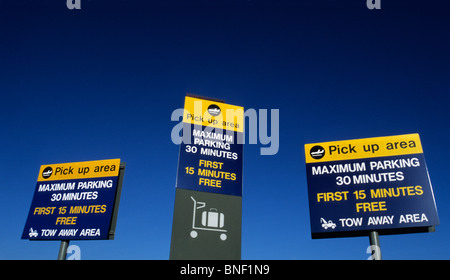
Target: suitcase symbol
212,218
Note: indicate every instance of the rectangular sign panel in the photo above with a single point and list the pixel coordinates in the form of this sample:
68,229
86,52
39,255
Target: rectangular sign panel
74,201
212,160
373,184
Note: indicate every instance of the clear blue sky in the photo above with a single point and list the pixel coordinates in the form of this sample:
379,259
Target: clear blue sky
102,82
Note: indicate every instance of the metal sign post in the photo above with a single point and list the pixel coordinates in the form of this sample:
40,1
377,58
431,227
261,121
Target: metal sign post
63,250
375,245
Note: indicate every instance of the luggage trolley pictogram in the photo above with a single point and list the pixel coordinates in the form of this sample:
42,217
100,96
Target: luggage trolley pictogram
211,220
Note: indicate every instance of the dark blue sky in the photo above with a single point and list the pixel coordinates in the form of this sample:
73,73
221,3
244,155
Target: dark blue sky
102,82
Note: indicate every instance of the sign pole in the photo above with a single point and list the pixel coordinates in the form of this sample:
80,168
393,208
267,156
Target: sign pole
375,242
63,250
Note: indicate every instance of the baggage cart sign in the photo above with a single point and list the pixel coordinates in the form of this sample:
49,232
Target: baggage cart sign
74,201
373,184
206,226
211,155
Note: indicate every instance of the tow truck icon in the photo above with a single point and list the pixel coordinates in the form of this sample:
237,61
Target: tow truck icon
328,224
32,233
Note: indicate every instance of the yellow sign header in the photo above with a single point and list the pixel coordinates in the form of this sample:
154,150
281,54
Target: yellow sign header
79,170
213,114
363,148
